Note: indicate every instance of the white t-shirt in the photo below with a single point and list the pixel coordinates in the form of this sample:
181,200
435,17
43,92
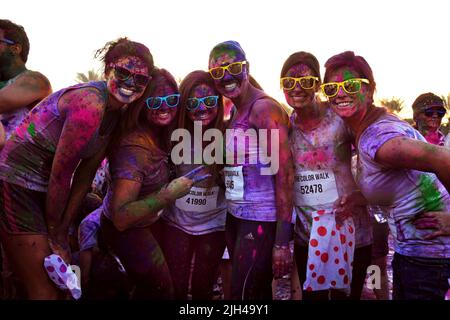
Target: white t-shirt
322,159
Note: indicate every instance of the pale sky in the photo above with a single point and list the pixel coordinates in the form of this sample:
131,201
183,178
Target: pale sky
405,42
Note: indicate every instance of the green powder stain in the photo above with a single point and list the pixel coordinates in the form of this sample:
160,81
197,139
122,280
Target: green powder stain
31,130
430,194
348,75
151,202
158,257
361,97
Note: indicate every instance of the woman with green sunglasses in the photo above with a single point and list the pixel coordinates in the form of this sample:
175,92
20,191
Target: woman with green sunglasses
398,171
321,147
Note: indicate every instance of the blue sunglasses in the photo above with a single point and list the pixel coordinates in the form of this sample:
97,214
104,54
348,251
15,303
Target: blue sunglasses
7,41
156,102
208,101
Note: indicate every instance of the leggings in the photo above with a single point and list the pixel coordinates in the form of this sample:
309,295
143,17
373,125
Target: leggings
361,260
250,245
179,247
142,258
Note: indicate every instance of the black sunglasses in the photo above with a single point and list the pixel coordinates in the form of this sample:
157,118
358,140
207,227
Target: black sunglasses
123,74
431,111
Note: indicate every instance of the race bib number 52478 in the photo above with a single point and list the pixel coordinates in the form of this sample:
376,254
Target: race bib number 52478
315,187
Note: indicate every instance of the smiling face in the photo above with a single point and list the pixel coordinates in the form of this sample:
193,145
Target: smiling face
203,113
349,104
298,97
126,91
231,86
164,115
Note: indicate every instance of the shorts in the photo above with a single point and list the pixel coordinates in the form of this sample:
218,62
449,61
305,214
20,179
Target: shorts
22,211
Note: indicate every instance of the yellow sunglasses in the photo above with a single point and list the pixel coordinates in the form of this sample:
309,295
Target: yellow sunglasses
351,86
288,83
234,68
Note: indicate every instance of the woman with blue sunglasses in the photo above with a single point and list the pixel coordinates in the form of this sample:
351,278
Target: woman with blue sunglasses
140,189
195,224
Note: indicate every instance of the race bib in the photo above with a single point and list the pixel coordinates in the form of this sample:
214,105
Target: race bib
234,183
315,187
199,200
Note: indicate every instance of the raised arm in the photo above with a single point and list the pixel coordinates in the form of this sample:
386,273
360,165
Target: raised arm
27,88
407,153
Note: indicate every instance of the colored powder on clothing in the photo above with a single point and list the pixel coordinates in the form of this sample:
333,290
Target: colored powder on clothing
157,257
31,130
260,230
430,194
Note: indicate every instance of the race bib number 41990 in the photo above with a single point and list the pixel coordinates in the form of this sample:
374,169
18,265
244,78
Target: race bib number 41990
315,187
199,200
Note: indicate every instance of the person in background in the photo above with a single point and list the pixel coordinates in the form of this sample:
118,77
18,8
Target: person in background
20,89
429,109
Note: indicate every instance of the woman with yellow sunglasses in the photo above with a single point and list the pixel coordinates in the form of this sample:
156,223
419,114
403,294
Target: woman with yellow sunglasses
398,171
258,223
321,149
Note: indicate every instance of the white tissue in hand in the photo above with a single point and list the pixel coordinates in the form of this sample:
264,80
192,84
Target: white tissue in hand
62,275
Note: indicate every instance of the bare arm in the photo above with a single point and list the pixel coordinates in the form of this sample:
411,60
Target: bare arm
266,114
85,266
81,182
82,110
406,153
26,89
127,211
2,136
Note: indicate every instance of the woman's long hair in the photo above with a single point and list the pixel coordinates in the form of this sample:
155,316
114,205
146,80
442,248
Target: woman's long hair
188,84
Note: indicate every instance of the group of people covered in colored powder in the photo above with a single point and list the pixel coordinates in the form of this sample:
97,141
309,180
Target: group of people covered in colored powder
87,174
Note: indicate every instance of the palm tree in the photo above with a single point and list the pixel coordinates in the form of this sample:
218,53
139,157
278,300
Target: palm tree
394,105
91,75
